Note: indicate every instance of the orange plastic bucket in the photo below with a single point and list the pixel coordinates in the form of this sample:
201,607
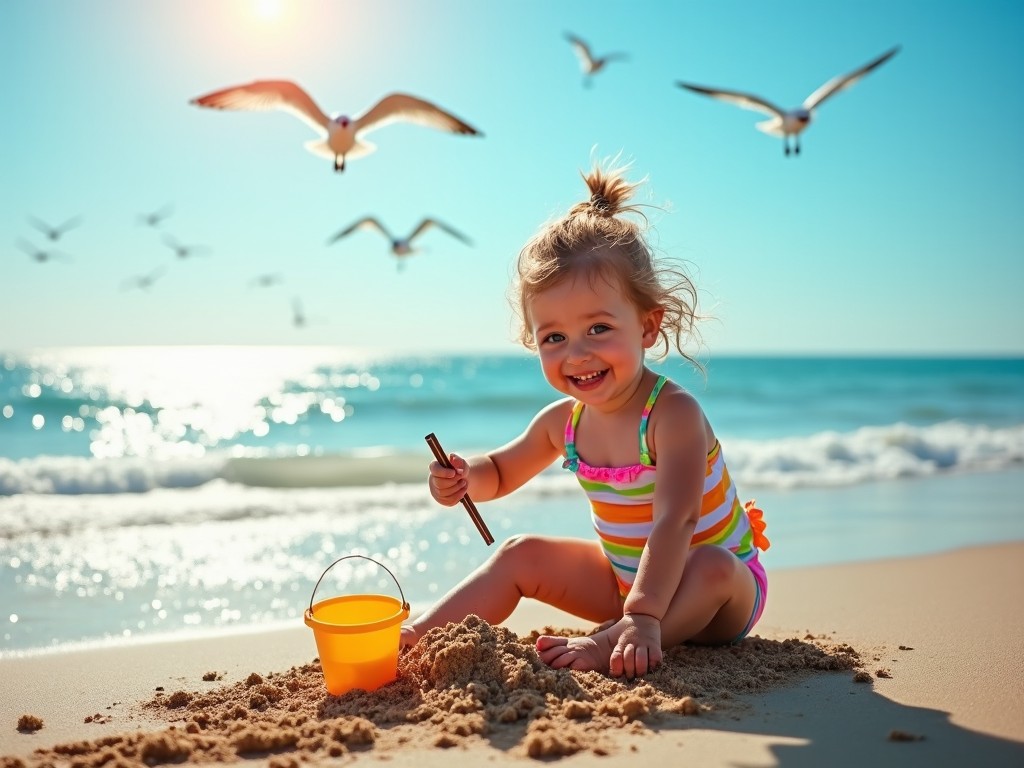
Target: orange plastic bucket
357,636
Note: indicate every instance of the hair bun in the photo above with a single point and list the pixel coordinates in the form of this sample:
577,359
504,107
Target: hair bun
600,204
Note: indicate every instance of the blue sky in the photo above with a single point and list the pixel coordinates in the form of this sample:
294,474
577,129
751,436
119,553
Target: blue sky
898,230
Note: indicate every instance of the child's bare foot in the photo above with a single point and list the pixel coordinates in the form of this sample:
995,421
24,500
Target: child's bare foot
583,653
407,638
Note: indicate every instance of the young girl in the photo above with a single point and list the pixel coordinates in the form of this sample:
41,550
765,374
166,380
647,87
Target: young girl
676,555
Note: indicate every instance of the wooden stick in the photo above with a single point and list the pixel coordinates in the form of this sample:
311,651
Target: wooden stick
442,459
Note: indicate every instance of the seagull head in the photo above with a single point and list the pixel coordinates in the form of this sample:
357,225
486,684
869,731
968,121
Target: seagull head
343,120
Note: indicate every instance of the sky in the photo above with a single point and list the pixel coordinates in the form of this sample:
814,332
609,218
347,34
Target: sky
898,230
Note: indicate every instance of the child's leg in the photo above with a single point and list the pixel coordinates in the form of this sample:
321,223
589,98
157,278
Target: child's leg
713,604
570,574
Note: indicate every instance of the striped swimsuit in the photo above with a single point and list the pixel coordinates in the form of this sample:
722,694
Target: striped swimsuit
621,500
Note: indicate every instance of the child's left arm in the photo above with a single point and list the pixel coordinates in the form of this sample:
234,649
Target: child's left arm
681,437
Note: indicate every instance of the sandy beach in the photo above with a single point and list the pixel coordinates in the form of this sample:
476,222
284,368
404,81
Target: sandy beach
934,644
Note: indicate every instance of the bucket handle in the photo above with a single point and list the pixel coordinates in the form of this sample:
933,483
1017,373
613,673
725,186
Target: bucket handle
405,605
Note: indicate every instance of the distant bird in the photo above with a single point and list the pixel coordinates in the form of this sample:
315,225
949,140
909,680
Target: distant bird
267,280
792,122
143,282
341,136
400,246
590,64
40,255
184,251
298,315
54,233
155,218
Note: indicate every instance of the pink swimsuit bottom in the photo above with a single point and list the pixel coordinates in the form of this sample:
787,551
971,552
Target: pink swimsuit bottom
760,596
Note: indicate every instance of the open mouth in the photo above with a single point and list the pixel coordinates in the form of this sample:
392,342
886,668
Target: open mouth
588,380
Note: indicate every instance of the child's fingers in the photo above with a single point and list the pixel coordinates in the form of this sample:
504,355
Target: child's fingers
449,484
436,469
455,487
448,490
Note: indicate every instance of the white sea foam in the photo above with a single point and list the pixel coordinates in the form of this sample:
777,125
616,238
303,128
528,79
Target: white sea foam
874,453
216,501
76,475
824,459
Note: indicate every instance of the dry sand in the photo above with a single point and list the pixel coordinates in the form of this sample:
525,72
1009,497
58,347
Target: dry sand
894,662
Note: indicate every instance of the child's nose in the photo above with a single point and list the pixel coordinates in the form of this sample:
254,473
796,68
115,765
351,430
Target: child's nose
579,351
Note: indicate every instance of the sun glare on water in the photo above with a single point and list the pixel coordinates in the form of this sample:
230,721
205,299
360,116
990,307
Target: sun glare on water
268,9
175,402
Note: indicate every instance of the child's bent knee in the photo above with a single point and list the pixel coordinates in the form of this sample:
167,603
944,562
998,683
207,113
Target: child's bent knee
714,565
521,547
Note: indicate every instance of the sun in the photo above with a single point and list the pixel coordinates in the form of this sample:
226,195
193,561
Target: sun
268,9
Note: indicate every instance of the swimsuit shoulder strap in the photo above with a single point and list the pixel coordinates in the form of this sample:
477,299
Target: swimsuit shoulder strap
645,455
571,458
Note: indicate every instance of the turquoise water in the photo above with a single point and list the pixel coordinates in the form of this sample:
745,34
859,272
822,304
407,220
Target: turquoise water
167,490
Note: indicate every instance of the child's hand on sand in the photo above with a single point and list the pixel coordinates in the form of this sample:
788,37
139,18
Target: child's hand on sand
447,486
408,637
638,649
629,647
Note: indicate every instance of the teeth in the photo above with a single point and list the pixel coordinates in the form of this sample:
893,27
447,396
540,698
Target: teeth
588,376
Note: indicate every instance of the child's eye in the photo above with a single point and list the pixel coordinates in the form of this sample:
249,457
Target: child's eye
599,328
552,338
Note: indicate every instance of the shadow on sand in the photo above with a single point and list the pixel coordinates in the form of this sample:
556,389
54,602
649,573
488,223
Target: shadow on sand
827,720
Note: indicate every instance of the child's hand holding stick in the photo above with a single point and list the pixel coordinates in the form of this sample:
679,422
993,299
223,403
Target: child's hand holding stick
442,459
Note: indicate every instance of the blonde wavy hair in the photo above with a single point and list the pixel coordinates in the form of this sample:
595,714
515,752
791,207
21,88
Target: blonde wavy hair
596,238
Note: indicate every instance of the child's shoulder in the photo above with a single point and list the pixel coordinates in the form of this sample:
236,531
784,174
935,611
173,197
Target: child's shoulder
678,418
559,410
553,417
676,402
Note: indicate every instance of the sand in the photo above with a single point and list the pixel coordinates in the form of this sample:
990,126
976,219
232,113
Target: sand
893,662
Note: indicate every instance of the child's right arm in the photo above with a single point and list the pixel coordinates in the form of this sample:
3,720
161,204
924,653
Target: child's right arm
503,470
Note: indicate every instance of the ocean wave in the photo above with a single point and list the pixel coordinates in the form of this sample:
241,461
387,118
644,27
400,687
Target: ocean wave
823,459
77,475
874,453
335,509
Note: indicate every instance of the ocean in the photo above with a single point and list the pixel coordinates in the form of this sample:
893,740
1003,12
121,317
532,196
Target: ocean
151,492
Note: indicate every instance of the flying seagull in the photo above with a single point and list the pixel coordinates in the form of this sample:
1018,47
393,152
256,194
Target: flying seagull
154,218
341,136
400,246
40,255
590,64
183,251
298,314
786,123
143,282
54,233
267,279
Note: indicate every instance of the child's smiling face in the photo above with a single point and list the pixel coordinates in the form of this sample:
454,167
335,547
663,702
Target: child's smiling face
591,338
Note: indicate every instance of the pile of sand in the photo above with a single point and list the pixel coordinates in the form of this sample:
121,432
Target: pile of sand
461,682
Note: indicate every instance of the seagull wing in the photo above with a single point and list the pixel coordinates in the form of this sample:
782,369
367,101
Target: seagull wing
27,247
410,109
268,94
156,217
42,226
69,224
842,82
367,222
582,51
742,100
428,223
